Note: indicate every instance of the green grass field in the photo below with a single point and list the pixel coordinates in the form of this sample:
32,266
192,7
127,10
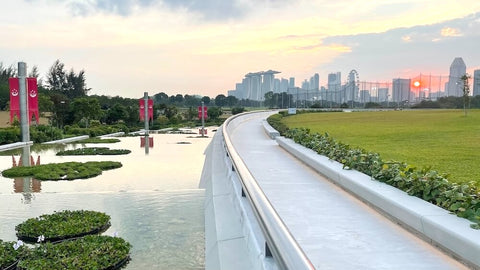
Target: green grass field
446,140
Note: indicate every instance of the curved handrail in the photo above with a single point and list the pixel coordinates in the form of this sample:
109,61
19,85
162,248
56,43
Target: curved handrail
284,248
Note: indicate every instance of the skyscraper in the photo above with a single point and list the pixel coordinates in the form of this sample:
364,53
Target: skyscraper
401,90
455,84
476,82
334,87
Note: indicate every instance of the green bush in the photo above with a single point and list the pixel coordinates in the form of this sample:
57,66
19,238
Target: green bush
276,122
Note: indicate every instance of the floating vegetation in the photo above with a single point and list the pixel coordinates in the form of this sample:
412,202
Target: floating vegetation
62,171
62,225
90,151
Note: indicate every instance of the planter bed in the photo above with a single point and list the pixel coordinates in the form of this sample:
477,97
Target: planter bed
62,171
62,225
90,151
89,252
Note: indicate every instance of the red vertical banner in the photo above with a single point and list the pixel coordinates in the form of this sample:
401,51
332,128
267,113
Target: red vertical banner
14,85
205,114
32,90
141,103
150,109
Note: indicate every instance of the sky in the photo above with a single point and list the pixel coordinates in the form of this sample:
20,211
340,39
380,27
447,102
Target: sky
204,47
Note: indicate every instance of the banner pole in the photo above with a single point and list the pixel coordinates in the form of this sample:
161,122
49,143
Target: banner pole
24,124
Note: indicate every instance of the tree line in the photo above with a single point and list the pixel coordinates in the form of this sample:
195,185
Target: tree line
64,99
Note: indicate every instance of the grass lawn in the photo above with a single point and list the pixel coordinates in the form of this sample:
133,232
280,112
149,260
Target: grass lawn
446,140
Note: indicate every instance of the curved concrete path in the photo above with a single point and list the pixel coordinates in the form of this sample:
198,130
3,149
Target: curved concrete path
335,229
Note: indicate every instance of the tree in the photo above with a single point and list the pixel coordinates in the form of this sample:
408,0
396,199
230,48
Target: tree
214,112
116,113
206,100
86,108
220,100
466,92
268,99
70,84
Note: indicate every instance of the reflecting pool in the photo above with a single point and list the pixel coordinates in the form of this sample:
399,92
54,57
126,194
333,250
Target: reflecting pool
153,200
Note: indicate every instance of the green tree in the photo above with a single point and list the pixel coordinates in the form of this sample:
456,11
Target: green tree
86,108
214,113
206,100
70,84
269,100
220,100
466,92
116,113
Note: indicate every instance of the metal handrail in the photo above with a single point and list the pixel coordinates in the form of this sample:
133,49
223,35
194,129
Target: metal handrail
283,247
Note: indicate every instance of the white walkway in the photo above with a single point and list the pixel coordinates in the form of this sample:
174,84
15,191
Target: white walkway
336,230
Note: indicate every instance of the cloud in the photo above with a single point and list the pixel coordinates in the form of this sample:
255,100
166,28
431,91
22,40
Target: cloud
450,32
426,48
207,10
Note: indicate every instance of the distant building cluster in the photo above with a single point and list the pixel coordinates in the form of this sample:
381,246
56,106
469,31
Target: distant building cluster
400,90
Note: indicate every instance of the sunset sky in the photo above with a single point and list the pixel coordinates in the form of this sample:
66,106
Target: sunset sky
204,47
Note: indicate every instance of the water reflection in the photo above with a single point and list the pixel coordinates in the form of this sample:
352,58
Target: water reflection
153,199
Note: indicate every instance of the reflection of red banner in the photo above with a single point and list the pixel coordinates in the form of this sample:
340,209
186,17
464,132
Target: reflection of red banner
205,114
14,98
32,91
141,103
142,142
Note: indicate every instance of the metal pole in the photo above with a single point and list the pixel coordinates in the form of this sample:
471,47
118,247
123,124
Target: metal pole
145,113
24,125
203,120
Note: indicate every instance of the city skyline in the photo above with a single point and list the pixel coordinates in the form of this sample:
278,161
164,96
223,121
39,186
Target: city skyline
203,47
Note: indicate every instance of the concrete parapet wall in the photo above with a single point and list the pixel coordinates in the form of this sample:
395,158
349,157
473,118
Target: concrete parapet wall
232,235
430,222
68,140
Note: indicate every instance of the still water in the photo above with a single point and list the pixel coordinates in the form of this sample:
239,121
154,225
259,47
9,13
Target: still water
153,200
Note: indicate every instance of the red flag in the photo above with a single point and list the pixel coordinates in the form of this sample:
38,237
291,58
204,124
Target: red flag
14,98
150,109
205,114
141,103
32,90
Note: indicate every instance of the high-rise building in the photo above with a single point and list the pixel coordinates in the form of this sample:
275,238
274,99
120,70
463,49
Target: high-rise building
401,91
476,82
334,87
291,82
315,85
455,83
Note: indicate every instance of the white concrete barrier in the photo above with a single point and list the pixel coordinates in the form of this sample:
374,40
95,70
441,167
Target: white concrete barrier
231,232
430,222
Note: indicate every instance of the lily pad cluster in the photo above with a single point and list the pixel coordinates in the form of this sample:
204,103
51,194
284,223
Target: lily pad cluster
65,240
62,171
91,151
62,225
89,252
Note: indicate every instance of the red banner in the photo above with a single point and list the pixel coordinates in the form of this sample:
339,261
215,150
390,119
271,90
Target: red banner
205,114
32,90
150,109
141,103
14,98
